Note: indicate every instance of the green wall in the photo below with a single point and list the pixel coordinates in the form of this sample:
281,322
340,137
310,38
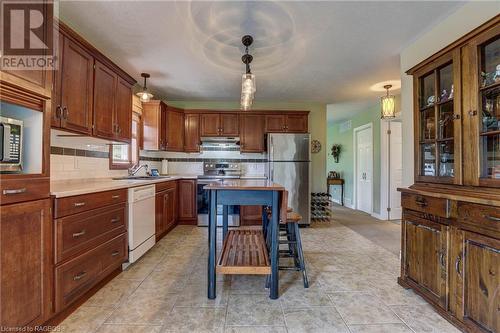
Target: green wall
346,160
317,128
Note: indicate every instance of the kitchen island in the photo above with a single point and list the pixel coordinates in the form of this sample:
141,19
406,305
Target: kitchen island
250,246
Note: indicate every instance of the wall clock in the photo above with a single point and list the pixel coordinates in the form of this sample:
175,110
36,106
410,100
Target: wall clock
315,146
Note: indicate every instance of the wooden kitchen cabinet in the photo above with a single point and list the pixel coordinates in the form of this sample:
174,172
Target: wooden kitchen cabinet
296,123
219,124
166,208
192,132
250,215
163,127
286,123
73,88
25,260
252,133
104,102
275,123
187,201
174,129
123,111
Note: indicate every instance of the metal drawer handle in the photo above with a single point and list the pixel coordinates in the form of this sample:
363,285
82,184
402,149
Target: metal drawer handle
442,258
115,220
421,202
78,234
117,196
15,191
493,218
79,276
79,204
115,253
458,263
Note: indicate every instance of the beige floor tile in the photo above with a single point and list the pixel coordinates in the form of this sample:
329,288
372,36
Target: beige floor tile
115,292
423,318
85,319
188,320
363,308
380,328
114,328
314,319
298,297
249,284
165,280
142,312
195,295
255,329
244,310
138,271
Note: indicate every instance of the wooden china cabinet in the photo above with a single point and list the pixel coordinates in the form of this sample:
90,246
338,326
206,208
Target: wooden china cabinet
451,215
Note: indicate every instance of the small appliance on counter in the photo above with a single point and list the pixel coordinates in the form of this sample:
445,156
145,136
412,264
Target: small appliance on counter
11,145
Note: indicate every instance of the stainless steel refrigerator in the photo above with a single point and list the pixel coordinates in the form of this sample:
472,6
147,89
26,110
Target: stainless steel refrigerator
289,166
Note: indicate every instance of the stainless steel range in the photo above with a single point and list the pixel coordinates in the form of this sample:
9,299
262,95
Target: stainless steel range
217,171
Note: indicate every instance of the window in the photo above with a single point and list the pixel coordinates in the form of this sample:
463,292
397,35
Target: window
123,156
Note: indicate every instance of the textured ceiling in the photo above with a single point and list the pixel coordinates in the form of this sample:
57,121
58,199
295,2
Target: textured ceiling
328,52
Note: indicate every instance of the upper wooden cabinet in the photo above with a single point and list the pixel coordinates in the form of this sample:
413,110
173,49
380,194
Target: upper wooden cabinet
287,123
163,127
92,95
252,133
191,132
219,124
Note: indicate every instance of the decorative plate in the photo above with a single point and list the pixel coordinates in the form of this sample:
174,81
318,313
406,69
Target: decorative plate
315,146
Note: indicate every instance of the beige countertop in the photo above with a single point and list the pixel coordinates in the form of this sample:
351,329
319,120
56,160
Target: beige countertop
67,188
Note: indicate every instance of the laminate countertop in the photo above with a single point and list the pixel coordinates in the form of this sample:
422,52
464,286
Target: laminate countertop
67,188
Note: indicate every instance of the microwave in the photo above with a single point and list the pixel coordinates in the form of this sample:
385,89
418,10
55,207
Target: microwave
11,145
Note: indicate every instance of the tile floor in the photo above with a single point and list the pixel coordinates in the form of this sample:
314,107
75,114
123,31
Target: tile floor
352,289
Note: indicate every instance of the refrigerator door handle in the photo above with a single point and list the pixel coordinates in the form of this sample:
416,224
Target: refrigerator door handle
271,164
271,171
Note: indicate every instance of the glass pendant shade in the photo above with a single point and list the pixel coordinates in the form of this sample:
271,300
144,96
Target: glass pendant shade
247,91
388,105
145,95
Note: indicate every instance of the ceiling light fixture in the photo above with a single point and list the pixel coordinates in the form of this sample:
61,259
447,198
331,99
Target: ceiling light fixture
248,79
145,95
388,104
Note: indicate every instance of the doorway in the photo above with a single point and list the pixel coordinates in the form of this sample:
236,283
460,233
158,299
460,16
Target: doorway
363,164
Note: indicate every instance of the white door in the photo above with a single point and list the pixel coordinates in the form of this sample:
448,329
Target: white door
396,168
364,172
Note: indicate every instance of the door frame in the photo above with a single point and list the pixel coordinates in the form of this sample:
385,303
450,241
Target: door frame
355,174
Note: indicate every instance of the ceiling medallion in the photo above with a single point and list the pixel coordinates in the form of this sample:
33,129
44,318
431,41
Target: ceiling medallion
248,79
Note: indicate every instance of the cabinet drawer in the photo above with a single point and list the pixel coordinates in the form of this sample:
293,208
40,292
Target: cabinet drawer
425,204
484,217
19,190
80,232
165,186
81,203
76,277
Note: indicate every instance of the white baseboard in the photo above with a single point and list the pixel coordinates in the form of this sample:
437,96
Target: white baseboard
378,216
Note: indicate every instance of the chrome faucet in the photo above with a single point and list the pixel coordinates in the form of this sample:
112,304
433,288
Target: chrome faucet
135,168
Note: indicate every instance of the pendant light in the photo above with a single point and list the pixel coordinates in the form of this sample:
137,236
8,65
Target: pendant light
248,87
145,95
388,104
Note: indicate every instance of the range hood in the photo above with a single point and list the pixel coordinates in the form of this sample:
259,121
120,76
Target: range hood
220,142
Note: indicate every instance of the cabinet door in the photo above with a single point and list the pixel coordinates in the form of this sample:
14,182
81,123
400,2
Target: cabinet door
163,126
296,123
229,125
25,259
175,130
275,123
104,101
75,88
250,215
425,256
159,218
210,125
252,133
152,126
187,199
169,208
481,118
481,278
123,111
192,132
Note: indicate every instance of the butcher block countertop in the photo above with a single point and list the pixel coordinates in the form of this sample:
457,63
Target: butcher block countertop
245,184
67,188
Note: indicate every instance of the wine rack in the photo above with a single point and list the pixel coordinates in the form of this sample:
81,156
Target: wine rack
320,206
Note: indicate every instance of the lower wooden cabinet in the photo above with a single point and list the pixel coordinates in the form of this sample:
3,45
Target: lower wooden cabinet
25,264
166,208
187,201
250,215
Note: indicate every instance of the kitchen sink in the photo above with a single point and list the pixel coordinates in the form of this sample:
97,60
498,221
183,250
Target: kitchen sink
141,177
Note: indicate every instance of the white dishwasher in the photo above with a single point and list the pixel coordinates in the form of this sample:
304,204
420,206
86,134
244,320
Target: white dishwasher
141,221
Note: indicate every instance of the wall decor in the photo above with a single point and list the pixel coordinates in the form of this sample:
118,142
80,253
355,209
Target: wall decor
336,149
315,146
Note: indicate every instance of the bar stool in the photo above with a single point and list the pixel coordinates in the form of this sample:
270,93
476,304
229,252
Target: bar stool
289,234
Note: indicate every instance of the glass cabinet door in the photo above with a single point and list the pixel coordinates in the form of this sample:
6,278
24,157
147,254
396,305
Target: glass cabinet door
436,122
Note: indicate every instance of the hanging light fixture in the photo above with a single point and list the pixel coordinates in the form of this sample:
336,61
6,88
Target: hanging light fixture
145,95
388,104
248,79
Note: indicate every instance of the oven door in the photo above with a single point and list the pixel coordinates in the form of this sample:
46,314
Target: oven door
202,197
